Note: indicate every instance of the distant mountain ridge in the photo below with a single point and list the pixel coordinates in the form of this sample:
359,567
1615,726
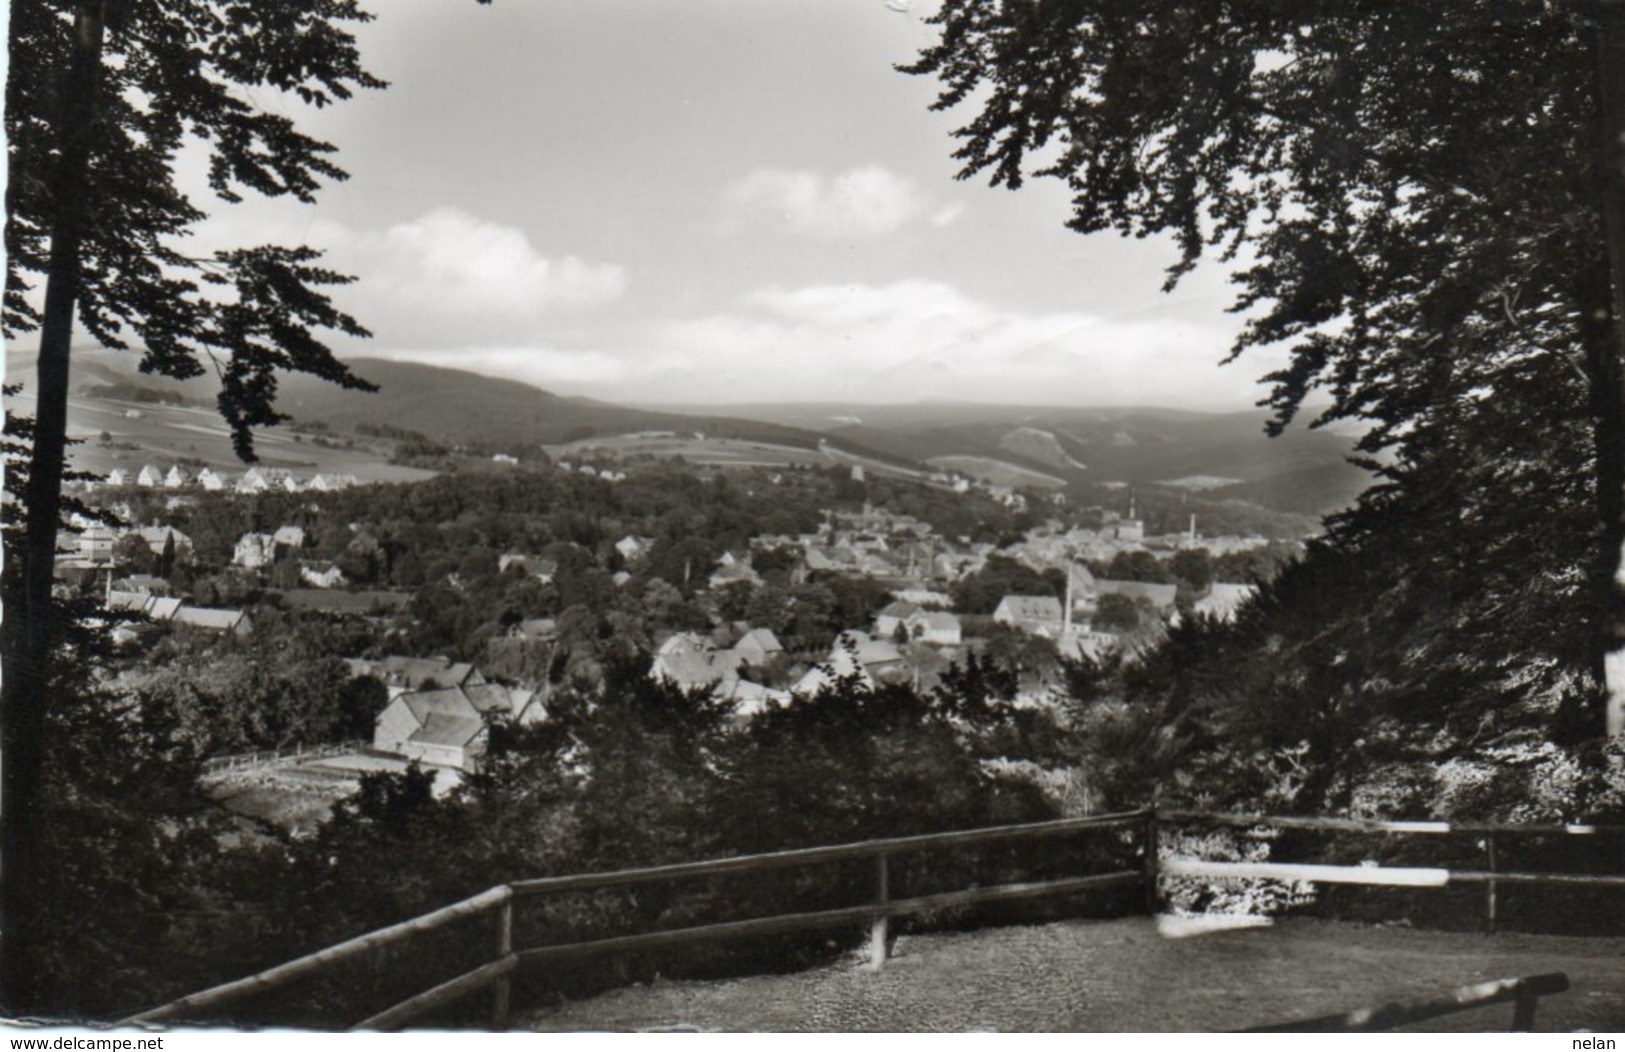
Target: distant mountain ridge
1302,471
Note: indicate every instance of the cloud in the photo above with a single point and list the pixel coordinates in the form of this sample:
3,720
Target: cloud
469,265
443,279
860,203
915,339
905,341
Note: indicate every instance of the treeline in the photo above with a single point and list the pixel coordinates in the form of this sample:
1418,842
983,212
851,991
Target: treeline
634,773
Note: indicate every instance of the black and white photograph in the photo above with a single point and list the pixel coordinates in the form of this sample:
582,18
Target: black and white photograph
838,516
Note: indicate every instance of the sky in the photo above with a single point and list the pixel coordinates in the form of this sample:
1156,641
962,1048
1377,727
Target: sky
719,201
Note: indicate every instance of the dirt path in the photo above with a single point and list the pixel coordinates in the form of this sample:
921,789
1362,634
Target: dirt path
1124,975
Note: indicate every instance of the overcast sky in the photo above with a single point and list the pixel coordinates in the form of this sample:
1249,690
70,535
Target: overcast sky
721,201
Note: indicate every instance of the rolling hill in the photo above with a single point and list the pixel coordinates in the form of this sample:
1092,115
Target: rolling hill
1221,456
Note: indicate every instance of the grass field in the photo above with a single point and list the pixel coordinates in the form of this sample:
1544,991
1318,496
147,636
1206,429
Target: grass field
1129,975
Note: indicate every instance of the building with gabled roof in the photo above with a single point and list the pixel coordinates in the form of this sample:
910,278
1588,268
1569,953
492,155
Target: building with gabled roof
211,620
494,700
402,674
758,646
440,726
892,616
937,627
1039,614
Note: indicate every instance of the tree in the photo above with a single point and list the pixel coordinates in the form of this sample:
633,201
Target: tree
1429,221
101,98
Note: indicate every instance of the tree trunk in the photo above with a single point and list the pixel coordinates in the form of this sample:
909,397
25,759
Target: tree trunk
32,630
1610,59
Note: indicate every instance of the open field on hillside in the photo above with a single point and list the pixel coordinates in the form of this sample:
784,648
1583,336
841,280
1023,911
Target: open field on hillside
1125,975
142,433
998,472
718,452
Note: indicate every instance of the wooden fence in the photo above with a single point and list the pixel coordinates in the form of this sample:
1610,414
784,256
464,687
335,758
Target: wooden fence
236,761
1524,993
1144,827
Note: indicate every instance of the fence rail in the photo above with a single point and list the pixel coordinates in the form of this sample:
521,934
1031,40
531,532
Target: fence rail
1525,993
496,973
215,764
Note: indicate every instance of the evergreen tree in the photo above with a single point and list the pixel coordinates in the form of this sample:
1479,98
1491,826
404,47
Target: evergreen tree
1431,227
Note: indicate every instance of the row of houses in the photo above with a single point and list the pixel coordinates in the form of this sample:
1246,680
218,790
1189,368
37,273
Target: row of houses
255,480
168,609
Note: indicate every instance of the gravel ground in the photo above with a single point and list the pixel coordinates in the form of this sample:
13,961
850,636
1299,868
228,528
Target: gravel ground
1127,976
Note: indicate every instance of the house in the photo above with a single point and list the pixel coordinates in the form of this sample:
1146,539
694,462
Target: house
210,480
633,548
858,654
401,674
159,537
495,701
289,537
149,476
322,575
143,584
544,570
692,661
535,630
234,621
117,477
758,646
504,458
1038,614
176,478
96,544
1160,596
936,627
1223,600
893,616
439,726
732,570
253,481
254,550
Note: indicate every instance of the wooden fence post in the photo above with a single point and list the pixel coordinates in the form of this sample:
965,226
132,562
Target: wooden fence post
1523,1010
1489,888
502,989
879,928
1152,847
